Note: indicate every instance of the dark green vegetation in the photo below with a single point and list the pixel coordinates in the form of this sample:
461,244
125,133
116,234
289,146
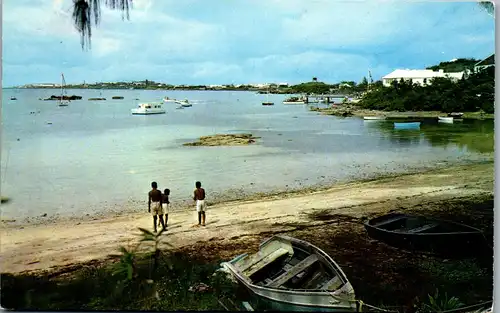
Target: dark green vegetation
458,65
470,94
381,275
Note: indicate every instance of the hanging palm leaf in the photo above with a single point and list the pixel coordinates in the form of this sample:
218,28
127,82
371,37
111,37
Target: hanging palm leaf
488,6
87,14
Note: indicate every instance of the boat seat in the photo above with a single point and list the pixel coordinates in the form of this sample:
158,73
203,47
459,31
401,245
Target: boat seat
332,284
422,228
389,221
258,264
301,266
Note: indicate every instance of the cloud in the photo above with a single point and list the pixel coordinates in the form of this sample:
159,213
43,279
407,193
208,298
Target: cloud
211,42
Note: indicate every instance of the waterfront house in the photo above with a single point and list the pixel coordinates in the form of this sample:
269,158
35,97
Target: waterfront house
489,61
421,77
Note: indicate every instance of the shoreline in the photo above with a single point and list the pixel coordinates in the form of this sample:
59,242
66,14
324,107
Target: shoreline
68,244
138,208
352,110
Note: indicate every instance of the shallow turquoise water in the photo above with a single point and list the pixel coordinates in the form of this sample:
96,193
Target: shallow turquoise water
97,157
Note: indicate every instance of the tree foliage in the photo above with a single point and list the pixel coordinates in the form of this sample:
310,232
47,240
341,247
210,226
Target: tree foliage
470,94
458,65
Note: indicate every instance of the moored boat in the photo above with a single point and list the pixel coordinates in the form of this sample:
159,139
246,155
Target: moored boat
267,103
455,114
445,119
185,103
148,108
294,275
407,125
167,99
373,118
425,234
294,100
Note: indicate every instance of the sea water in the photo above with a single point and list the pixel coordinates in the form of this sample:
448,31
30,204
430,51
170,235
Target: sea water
95,156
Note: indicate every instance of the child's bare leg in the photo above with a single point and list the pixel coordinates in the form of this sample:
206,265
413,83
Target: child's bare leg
154,222
162,222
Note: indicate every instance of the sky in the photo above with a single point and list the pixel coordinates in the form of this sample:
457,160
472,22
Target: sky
240,41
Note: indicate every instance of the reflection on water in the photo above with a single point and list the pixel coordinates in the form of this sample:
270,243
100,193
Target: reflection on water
472,135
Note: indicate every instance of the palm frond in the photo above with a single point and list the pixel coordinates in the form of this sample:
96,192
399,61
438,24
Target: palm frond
145,231
87,14
489,6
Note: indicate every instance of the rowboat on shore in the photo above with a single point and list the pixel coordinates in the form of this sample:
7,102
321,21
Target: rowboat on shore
445,119
408,125
373,118
425,234
290,274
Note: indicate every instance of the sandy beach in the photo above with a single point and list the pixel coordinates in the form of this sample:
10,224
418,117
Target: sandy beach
65,243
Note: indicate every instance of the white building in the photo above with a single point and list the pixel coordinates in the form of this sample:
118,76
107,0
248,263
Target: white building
421,77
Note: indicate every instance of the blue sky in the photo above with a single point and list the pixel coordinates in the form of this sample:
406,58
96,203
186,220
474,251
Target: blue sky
240,41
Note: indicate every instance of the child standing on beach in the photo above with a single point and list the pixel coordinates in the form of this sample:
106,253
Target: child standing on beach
199,197
165,206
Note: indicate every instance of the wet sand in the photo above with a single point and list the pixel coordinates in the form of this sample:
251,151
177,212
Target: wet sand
66,243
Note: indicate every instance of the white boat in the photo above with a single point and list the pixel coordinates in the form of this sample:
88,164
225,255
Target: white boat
445,119
62,102
293,275
167,100
148,108
372,118
185,103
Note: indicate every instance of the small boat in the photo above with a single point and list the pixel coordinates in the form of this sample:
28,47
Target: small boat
117,97
148,108
425,234
167,99
373,118
408,125
445,119
13,98
185,103
294,100
455,114
62,101
293,275
267,103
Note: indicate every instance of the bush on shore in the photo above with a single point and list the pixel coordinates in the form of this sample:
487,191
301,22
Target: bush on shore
470,94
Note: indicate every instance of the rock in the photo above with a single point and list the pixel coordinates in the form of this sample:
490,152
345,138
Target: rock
44,214
224,140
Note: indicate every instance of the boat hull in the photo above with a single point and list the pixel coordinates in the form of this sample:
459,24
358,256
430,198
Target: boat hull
147,112
447,238
274,298
412,125
373,118
445,119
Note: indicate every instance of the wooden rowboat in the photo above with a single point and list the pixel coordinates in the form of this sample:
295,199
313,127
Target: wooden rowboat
425,234
293,275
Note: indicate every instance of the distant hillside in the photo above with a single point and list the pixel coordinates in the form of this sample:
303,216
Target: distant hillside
456,66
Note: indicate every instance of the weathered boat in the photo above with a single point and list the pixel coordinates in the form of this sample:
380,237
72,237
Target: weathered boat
290,274
267,103
425,234
455,114
407,125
